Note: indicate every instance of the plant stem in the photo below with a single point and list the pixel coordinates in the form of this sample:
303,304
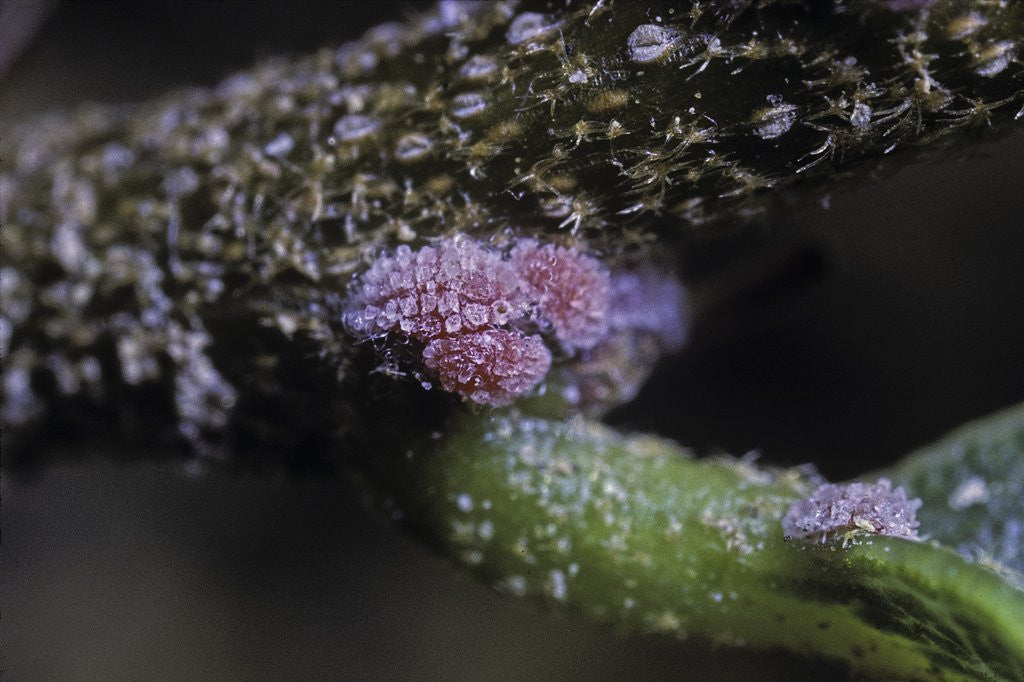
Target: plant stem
634,531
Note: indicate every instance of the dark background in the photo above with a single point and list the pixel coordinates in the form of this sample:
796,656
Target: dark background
908,322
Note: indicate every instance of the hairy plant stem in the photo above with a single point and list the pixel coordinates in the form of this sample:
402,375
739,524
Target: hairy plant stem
176,269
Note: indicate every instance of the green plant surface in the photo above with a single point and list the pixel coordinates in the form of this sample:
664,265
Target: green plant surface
972,486
635,531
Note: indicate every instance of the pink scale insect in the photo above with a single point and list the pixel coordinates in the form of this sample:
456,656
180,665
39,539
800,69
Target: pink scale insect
473,307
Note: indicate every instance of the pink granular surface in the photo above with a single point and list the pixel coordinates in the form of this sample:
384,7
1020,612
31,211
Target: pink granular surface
455,287
475,310
491,367
572,291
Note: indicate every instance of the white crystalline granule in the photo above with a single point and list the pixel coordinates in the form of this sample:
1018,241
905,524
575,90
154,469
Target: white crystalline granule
355,127
413,147
468,104
531,26
479,68
650,43
776,120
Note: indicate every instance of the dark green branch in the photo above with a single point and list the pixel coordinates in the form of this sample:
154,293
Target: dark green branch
177,267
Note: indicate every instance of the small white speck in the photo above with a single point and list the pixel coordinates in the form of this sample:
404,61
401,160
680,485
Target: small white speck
776,120
280,145
556,585
969,493
413,147
355,127
468,104
485,530
528,26
861,115
650,43
478,68
516,584
464,503
994,58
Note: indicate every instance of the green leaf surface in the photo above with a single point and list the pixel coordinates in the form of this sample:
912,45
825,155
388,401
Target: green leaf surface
972,486
635,531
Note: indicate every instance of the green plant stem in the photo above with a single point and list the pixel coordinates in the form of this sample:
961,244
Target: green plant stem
636,532
972,486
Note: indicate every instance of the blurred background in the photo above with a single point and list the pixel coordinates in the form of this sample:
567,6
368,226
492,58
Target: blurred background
895,314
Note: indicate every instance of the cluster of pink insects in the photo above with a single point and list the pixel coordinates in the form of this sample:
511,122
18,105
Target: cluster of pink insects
482,314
